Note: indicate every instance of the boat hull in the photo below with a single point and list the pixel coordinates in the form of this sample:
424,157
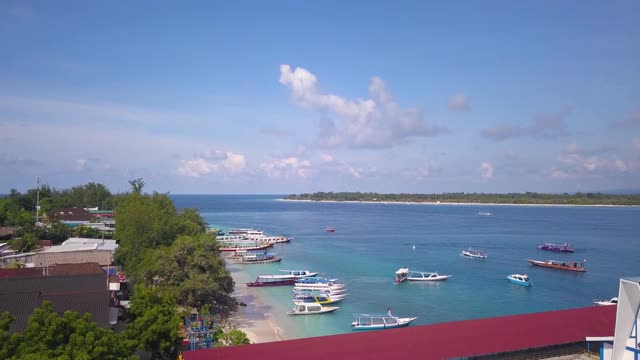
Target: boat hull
323,311
269,261
519,282
271,283
438,278
553,265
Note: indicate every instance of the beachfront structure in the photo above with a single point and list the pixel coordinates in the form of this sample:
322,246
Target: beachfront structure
77,287
78,250
625,343
527,335
11,257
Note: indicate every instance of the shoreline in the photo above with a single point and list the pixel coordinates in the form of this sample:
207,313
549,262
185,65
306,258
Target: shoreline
450,203
255,318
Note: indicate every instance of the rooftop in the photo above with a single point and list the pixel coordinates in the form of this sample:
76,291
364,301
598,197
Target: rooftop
54,270
438,341
83,244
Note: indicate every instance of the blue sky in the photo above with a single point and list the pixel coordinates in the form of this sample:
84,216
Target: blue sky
287,97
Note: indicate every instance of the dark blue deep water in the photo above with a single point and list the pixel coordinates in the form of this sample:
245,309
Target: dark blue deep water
373,240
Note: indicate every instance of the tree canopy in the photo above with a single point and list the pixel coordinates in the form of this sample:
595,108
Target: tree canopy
70,336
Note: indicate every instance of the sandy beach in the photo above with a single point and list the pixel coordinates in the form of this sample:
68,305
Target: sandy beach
255,318
451,203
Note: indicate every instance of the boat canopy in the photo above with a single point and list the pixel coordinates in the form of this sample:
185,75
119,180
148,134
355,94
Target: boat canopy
402,271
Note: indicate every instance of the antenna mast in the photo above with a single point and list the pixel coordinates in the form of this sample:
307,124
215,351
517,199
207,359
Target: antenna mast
37,200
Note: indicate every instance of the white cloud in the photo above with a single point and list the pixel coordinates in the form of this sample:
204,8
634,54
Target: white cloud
326,157
287,167
545,125
216,161
372,123
560,175
459,102
632,120
80,164
577,161
636,143
486,170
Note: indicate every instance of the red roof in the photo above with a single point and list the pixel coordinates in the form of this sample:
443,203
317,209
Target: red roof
437,341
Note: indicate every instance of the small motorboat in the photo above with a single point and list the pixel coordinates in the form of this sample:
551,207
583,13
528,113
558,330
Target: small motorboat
330,229
325,291
376,322
475,254
561,265
402,274
484,213
556,247
426,276
302,308
315,280
257,259
520,279
612,301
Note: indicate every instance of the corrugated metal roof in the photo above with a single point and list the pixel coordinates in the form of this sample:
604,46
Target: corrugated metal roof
439,341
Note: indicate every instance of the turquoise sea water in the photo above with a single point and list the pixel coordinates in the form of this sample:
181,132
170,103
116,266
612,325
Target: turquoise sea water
373,240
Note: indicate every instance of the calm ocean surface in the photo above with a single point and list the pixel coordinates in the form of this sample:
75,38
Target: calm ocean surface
373,240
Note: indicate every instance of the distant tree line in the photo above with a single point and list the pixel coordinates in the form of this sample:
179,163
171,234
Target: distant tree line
461,197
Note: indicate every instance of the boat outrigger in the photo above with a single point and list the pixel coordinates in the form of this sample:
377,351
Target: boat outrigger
426,276
556,247
376,322
476,254
561,265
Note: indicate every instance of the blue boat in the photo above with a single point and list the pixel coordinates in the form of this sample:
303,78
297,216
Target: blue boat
520,279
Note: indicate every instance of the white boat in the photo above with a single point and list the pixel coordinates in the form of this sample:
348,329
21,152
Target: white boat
426,276
520,279
484,213
402,274
476,254
612,301
376,322
300,273
297,290
322,299
333,287
302,308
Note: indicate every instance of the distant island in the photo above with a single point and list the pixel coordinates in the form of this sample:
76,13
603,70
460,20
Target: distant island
476,198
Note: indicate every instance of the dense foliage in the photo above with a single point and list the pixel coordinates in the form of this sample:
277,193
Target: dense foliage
71,336
512,198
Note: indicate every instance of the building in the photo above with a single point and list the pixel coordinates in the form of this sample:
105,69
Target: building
517,336
78,287
74,216
625,343
11,257
78,250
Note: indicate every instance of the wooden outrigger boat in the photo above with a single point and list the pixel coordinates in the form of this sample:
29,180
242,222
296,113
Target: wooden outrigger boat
561,265
376,322
272,280
250,246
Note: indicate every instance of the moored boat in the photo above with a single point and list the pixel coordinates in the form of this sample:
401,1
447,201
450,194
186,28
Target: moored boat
556,247
561,265
426,276
315,280
402,274
612,301
330,229
325,291
376,322
302,308
300,273
248,246
475,254
257,259
272,280
322,299
484,213
520,279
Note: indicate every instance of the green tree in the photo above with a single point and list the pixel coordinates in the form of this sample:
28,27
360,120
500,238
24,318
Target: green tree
147,222
232,338
192,266
154,321
25,243
58,232
136,185
70,336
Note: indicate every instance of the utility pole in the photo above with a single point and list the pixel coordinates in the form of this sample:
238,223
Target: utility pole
38,200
